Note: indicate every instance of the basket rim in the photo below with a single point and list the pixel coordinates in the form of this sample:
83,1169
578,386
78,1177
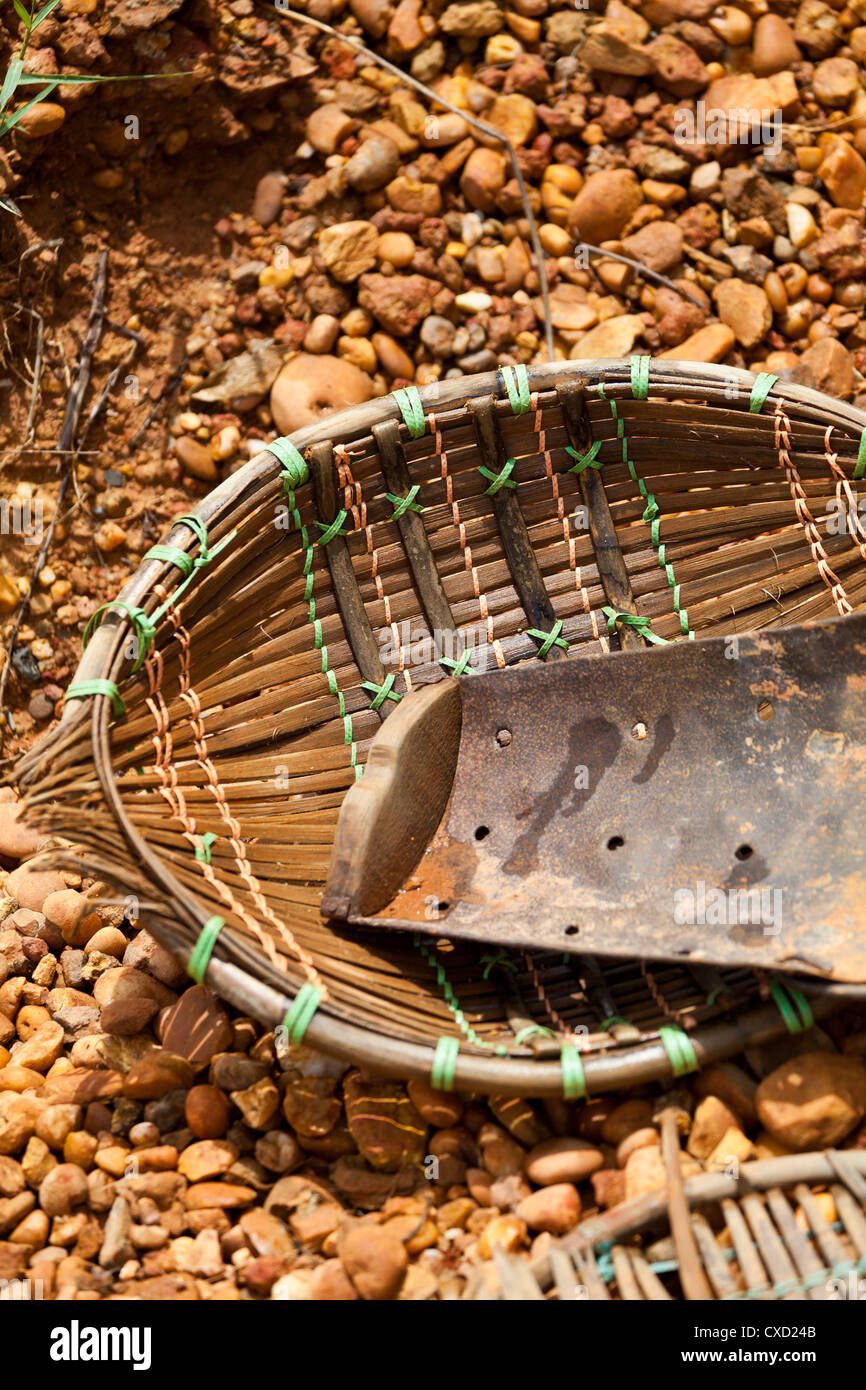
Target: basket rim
104,657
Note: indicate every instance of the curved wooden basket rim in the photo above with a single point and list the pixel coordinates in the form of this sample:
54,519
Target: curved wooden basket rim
104,657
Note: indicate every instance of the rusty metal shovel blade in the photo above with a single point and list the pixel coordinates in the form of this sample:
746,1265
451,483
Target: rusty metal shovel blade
700,801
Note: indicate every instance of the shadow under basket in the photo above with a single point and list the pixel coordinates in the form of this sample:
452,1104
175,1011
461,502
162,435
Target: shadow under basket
227,700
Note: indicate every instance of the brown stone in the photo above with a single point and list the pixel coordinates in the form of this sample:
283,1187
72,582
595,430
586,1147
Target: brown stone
399,302
384,1123
348,249
196,1027
196,459
605,204
774,47
17,839
483,178
829,365
208,1158
709,344
710,1121
677,66
843,172
80,1086
207,1112
331,1284
157,1074
31,886
374,1260
312,385
62,1189
219,1195
607,51
555,1209
813,1101
311,1105
659,246
562,1160
746,310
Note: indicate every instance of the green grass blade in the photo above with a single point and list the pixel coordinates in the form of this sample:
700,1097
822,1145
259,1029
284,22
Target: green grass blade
10,82
24,15
29,79
8,122
44,13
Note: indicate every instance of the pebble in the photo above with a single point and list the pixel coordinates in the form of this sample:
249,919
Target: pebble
710,344
327,127
348,249
813,1101
659,246
17,839
483,178
607,201
375,163
562,1160
828,364
30,887
197,1027
745,309
267,200
207,1112
555,1209
384,1123
374,1260
395,362
43,118
614,338
711,1120
208,1158
310,386
322,333
843,172
774,47
62,1189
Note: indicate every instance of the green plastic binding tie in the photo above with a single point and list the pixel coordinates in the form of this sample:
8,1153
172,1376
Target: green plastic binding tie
300,1015
573,1078
588,460
681,1052
640,624
172,555
459,666
516,383
640,370
608,1023
334,528
793,1006
532,1030
382,692
444,1064
202,854
144,628
405,504
548,639
860,467
203,948
295,470
409,403
500,961
764,383
80,690
498,480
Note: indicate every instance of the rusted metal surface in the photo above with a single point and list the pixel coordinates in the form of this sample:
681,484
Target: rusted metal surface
701,800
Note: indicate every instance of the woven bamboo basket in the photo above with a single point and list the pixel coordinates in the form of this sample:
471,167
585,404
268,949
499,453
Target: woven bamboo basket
226,701
735,1239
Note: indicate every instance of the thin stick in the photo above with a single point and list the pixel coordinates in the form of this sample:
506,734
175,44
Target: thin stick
477,125
642,270
67,435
